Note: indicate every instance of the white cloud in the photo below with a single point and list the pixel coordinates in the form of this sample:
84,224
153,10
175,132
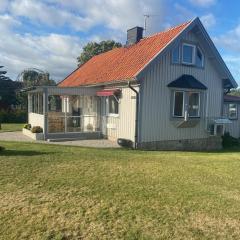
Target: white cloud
208,20
3,5
57,53
84,14
230,40
54,52
233,62
203,3
49,15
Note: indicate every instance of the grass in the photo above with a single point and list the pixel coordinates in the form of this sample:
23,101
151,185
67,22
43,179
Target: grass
56,192
11,127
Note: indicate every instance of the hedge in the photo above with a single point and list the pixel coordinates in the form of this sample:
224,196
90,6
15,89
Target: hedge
13,116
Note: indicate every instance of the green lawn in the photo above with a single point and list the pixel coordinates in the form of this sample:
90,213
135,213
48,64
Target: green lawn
11,127
56,192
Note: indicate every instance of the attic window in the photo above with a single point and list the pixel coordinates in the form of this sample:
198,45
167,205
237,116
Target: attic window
188,54
175,55
199,58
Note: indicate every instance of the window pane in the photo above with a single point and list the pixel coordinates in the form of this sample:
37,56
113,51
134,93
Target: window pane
232,111
199,58
193,105
54,103
113,105
188,54
178,104
175,55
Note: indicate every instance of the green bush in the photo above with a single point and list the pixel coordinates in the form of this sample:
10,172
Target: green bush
229,141
27,126
37,129
1,148
13,116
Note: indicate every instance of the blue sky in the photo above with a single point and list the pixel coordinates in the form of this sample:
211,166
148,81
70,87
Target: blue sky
50,34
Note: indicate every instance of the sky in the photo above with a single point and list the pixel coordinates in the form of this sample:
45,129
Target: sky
49,34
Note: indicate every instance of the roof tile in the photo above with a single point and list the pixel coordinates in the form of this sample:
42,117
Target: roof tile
121,63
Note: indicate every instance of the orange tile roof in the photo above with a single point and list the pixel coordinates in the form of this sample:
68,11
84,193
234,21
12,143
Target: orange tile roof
121,63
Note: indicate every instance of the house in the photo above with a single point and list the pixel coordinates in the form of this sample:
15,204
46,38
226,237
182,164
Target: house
231,110
163,91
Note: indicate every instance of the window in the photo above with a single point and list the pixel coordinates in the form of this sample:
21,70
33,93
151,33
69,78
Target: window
112,105
188,54
54,103
193,104
199,58
175,55
232,111
178,104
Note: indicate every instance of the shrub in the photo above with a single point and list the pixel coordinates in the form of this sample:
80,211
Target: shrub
27,126
229,141
37,129
13,116
1,148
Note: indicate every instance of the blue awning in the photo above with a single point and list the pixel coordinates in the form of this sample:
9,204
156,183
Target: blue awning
187,81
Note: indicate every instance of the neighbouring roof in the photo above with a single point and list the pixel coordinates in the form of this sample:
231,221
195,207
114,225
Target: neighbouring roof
121,63
187,81
230,98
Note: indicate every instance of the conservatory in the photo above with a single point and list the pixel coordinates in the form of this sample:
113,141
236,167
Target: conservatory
67,112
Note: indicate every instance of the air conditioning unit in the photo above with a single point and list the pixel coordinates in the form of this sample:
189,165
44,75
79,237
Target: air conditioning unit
217,126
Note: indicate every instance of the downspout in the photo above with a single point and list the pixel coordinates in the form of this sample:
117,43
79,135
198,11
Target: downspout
136,116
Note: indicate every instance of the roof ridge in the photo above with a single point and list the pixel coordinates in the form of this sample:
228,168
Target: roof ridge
167,30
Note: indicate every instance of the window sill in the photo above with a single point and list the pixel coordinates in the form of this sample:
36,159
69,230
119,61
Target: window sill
183,117
188,65
113,115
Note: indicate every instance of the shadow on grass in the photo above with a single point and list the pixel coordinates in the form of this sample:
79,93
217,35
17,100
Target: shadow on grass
22,153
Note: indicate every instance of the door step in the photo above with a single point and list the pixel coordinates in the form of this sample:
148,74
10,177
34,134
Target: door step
64,139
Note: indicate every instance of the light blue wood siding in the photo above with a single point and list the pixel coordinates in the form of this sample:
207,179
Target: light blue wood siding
123,126
155,119
234,128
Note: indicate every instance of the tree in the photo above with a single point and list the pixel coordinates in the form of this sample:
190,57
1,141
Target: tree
93,49
235,92
30,78
8,89
34,77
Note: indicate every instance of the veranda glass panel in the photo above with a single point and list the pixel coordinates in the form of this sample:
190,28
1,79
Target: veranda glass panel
56,116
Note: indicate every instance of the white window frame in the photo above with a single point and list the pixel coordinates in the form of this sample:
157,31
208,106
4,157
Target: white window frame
112,114
179,57
174,93
193,54
233,118
199,106
203,58
186,103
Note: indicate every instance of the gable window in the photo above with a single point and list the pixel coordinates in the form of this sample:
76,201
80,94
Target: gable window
232,111
178,105
188,54
193,104
113,108
199,57
175,55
